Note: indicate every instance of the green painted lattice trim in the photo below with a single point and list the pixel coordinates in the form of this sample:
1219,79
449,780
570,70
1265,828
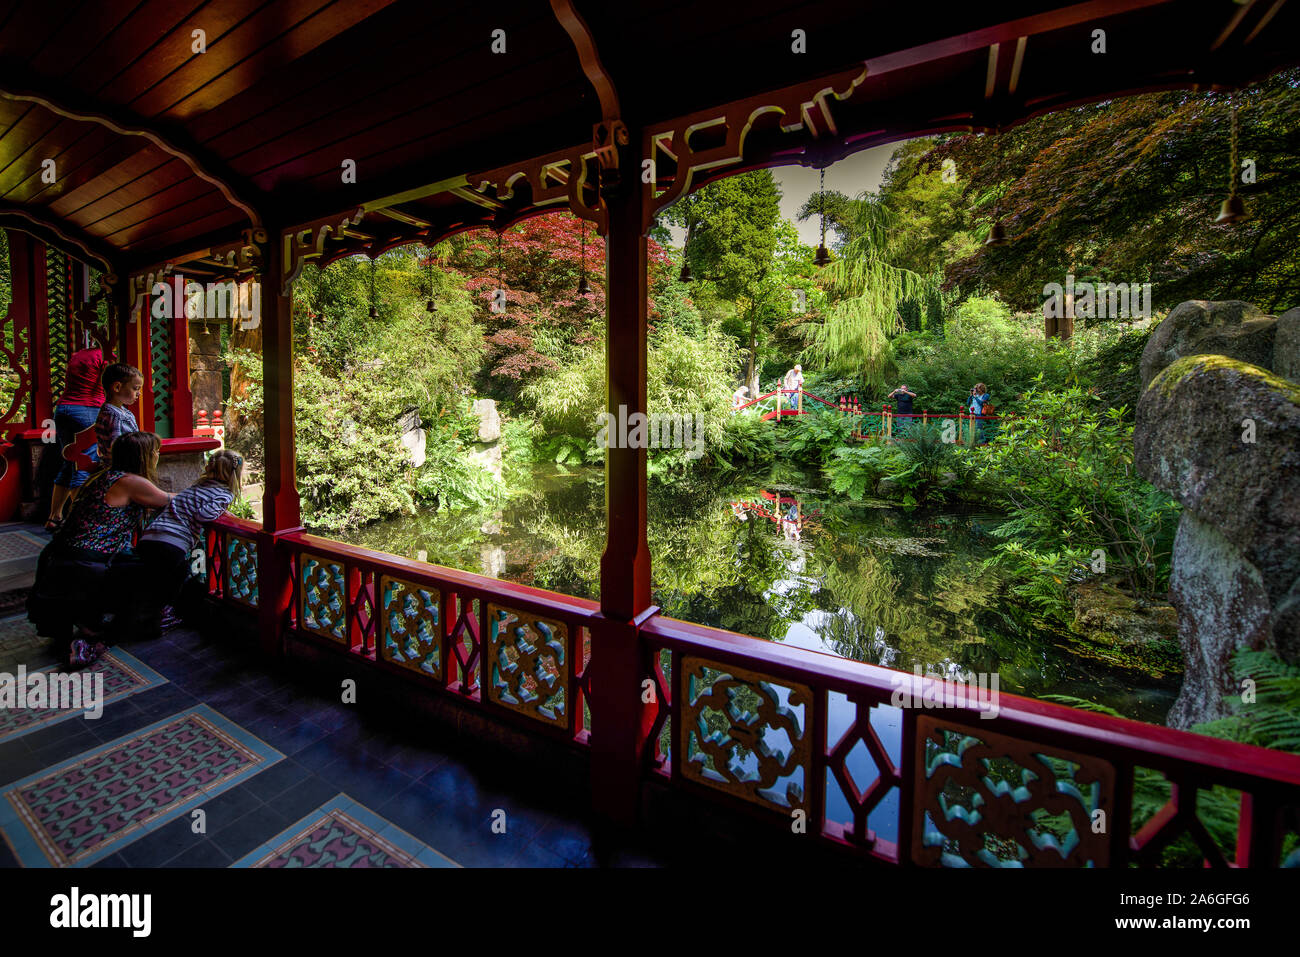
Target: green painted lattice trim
160,355
58,296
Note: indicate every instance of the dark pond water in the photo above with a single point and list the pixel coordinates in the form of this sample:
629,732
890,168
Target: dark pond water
785,560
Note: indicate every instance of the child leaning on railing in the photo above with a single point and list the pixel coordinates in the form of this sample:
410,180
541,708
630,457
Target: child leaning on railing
166,545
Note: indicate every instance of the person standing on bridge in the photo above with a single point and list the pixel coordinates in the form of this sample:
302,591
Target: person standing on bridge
739,398
903,399
979,399
794,384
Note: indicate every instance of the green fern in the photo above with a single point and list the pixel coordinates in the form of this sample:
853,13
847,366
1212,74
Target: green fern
1272,720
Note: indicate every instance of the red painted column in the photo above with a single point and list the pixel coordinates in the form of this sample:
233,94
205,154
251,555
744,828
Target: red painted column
135,352
280,502
280,496
619,716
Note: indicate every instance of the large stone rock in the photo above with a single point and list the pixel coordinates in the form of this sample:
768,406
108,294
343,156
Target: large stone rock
1235,329
1222,606
1223,438
414,443
489,421
1286,345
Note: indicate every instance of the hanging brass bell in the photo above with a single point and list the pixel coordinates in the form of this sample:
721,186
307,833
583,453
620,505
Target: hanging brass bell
431,306
584,287
685,275
997,235
1233,210
823,256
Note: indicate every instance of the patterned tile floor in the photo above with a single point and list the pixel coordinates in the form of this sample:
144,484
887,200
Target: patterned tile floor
282,776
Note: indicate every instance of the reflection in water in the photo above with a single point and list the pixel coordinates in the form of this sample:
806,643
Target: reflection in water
788,563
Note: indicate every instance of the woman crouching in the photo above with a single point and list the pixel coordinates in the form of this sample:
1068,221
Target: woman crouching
73,576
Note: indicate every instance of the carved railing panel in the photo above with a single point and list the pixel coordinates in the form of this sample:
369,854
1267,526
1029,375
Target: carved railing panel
528,663
322,597
859,770
732,724
989,800
15,377
411,626
241,570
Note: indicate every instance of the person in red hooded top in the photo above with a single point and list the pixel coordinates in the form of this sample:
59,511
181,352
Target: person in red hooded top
76,411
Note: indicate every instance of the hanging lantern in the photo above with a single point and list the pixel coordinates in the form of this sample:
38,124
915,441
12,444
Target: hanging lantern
823,256
1233,209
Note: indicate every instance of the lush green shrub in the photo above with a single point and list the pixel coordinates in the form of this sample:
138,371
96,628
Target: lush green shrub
688,375
450,479
746,443
1065,470
1115,370
985,343
855,470
815,438
1272,720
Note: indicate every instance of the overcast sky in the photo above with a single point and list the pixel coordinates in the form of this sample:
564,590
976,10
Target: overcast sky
861,171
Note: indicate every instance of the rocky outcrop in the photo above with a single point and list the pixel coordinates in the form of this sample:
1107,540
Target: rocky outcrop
1286,345
1234,329
489,420
1222,437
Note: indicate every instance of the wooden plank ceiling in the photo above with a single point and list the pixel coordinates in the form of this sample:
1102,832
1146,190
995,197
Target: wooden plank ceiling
157,148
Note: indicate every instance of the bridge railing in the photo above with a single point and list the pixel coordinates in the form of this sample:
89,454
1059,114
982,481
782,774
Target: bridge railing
852,755
967,428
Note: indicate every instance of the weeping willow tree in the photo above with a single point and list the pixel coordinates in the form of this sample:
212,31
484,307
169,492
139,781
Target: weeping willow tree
865,290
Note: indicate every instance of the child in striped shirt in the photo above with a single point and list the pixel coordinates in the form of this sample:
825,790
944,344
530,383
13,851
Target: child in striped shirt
165,546
122,385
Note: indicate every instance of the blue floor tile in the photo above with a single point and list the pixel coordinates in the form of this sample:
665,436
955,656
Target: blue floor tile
276,779
307,795
250,831
158,847
205,854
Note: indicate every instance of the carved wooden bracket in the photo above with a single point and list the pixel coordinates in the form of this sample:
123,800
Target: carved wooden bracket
232,260
309,242
714,139
567,176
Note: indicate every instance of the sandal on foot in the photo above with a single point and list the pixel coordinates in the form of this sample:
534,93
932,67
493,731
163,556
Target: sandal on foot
80,655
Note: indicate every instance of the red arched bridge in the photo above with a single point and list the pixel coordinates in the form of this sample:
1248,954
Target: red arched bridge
783,402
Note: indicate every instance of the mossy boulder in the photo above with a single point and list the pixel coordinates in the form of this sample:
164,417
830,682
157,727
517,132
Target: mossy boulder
1222,437
1123,631
1197,327
1286,345
1103,611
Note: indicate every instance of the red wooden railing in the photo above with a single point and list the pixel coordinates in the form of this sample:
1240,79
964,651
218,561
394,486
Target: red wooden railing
770,730
517,652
